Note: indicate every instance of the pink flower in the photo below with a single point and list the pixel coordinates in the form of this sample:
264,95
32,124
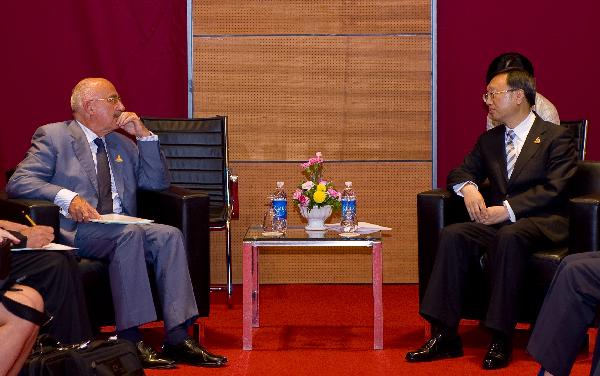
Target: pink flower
307,185
303,200
318,154
297,194
333,193
324,182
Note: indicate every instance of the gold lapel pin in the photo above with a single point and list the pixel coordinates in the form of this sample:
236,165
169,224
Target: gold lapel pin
537,140
119,159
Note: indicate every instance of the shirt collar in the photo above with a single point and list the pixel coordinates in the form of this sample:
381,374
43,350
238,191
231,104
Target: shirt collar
89,134
522,130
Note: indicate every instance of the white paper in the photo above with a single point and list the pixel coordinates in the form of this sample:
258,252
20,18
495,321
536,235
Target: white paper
363,227
121,219
49,247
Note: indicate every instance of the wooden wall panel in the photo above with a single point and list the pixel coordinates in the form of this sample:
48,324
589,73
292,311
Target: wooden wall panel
386,196
351,79
235,17
354,98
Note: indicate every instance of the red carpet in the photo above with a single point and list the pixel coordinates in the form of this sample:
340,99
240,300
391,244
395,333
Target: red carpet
327,330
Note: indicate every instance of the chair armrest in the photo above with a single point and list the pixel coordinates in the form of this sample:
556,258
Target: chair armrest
234,206
188,211
584,233
42,212
435,209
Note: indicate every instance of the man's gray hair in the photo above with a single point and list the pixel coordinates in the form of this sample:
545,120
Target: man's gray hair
82,92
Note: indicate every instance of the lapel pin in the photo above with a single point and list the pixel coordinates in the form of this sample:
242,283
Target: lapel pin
119,159
537,140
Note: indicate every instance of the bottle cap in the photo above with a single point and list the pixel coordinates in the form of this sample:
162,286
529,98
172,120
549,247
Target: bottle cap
279,184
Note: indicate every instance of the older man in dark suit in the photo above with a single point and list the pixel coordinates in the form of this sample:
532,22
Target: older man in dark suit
528,163
88,169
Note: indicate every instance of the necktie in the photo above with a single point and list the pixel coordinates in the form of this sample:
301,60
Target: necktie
105,202
511,152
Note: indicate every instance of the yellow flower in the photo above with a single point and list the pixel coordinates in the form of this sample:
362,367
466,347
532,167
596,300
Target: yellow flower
319,196
321,187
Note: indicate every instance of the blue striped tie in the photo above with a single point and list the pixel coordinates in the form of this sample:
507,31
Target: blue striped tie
511,152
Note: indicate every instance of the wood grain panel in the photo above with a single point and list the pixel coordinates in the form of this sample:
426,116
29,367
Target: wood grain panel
354,98
386,196
311,17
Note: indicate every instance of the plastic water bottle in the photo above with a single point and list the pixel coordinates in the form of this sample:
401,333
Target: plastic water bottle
280,208
349,223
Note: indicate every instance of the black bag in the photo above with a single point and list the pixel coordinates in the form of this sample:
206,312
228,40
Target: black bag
111,357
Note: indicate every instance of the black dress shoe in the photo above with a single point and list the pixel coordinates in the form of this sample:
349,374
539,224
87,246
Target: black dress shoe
439,346
190,352
498,354
150,358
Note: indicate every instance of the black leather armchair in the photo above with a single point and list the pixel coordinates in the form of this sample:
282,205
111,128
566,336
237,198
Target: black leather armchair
177,207
438,208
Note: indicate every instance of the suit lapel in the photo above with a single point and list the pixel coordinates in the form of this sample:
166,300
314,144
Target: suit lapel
500,143
83,153
532,144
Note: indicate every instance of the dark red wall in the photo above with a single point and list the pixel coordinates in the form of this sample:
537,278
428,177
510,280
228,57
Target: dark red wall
561,41
141,46
47,46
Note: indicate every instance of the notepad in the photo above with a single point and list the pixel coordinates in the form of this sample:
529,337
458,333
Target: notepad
121,219
49,247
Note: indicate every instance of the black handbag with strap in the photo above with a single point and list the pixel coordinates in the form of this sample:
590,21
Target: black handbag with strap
100,357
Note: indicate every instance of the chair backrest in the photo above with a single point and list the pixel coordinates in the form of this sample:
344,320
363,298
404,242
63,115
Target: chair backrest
197,156
586,179
579,130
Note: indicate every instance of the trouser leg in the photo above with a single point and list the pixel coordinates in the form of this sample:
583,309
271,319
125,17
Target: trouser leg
569,308
55,275
166,253
508,257
460,247
123,247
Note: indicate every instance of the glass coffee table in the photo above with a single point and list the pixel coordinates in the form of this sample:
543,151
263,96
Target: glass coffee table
299,237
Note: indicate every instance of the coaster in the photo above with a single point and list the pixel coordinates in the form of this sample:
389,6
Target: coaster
272,233
349,234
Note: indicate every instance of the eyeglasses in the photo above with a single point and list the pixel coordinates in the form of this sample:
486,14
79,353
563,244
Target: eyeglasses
492,94
113,99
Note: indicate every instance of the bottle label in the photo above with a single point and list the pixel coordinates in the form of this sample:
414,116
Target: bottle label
280,208
348,205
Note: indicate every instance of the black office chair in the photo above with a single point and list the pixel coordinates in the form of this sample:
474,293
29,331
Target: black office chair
439,208
579,130
197,156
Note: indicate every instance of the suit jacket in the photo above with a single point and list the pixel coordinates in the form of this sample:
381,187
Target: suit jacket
60,157
537,188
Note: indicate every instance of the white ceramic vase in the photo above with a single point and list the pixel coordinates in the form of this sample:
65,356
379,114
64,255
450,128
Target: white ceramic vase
316,217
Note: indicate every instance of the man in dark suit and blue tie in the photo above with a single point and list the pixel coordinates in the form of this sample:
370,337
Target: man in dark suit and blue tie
528,163
88,169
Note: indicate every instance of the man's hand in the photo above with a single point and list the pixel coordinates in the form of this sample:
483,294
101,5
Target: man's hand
475,203
131,123
81,211
38,236
7,235
495,215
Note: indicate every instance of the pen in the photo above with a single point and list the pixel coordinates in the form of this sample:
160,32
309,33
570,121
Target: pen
29,219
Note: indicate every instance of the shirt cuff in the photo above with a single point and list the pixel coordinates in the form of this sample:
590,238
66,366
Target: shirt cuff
459,186
152,137
511,213
63,201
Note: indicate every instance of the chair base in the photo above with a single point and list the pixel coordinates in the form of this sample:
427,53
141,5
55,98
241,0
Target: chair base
228,288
